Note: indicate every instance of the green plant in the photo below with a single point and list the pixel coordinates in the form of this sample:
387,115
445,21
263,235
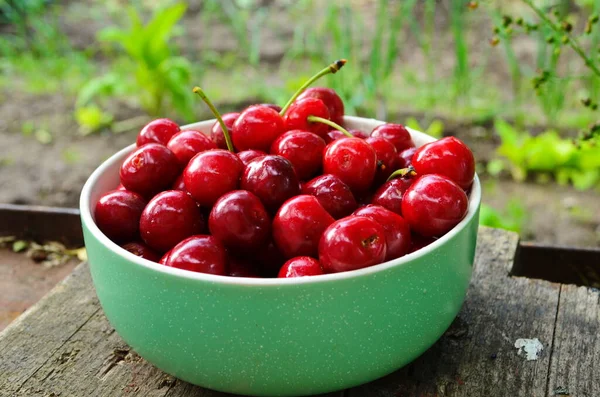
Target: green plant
512,217
435,128
150,72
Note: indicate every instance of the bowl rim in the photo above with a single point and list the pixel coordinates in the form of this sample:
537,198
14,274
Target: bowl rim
88,221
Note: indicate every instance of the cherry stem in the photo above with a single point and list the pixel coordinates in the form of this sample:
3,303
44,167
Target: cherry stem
213,109
333,68
403,172
317,119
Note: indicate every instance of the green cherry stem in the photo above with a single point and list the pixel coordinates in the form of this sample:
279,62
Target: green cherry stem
402,172
213,109
316,119
333,68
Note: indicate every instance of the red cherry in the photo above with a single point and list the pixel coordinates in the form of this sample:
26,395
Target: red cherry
390,194
333,194
256,128
185,144
387,158
298,226
239,220
336,134
397,231
142,250
433,205
405,157
216,132
149,169
395,133
418,242
449,157
272,179
238,267
353,161
168,218
203,254
179,184
296,117
120,187
269,259
300,266
117,214
330,98
248,155
163,259
157,131
211,174
276,108
303,149
352,243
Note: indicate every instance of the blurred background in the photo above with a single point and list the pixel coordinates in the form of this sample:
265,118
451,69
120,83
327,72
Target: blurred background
518,81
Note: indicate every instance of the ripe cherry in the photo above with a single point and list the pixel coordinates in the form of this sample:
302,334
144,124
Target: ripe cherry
449,157
352,243
142,250
405,157
333,194
272,179
337,134
216,132
433,205
303,149
211,174
248,155
203,254
149,169
269,260
170,217
298,226
298,115
397,231
239,220
395,133
417,242
353,161
185,144
163,259
387,158
179,184
117,214
238,267
256,128
390,194
276,108
330,98
157,131
299,267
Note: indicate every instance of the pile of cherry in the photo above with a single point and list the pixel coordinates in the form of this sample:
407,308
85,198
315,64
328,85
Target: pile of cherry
284,192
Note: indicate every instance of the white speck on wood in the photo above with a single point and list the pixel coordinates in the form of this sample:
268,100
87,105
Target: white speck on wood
530,347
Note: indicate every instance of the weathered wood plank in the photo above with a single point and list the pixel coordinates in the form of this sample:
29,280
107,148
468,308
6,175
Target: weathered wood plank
476,356
575,359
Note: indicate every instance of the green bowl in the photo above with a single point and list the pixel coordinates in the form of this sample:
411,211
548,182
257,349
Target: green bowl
280,337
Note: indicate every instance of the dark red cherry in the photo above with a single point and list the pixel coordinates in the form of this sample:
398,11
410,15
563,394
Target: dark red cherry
185,144
163,259
330,98
405,157
390,194
170,217
352,160
337,134
303,149
149,169
211,174
395,133
248,155
272,179
203,254
256,128
296,117
352,243
433,205
142,250
157,131
397,231
298,226
179,184
333,194
239,220
449,157
418,242
238,267
387,158
300,266
216,132
269,260
117,214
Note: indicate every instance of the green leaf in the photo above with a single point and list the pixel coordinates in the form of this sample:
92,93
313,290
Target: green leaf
91,119
435,129
20,245
495,167
411,122
100,86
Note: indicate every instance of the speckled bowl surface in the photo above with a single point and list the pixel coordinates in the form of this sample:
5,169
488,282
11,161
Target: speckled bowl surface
280,337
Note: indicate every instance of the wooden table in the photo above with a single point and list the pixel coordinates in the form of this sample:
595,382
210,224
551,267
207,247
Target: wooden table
64,346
